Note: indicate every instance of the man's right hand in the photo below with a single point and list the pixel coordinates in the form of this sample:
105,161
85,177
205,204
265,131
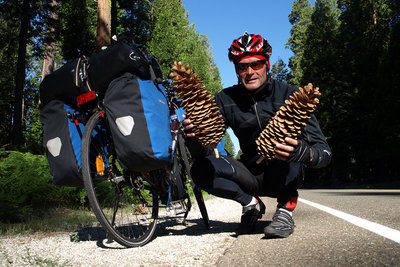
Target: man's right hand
188,125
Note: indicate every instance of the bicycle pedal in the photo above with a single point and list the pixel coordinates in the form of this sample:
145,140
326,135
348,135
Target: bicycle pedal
177,207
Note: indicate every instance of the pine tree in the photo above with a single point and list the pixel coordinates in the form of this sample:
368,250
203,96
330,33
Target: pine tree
299,17
8,59
76,30
135,18
173,39
365,33
279,71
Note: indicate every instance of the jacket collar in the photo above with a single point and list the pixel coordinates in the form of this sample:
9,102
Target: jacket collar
263,90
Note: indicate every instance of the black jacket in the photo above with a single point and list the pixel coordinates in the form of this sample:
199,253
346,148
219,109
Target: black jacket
248,113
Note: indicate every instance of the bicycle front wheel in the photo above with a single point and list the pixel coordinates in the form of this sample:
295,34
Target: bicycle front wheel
124,205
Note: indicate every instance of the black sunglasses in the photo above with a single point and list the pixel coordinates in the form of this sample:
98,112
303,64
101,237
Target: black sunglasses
255,65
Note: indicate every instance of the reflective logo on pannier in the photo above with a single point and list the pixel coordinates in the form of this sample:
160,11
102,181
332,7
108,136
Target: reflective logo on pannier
125,125
54,146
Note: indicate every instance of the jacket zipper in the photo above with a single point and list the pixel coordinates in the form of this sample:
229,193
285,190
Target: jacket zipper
255,111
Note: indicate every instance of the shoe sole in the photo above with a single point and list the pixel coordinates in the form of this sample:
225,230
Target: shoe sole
277,234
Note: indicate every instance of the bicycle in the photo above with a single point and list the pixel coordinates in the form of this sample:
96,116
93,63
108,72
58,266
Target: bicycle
127,203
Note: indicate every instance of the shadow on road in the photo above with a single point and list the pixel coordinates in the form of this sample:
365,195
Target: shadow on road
194,227
172,226
88,234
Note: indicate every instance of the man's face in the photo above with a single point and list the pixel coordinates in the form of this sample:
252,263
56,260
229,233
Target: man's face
252,72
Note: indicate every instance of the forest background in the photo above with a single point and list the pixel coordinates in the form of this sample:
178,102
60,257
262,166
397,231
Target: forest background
350,49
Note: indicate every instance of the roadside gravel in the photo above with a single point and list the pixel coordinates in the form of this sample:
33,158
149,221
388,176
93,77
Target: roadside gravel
175,244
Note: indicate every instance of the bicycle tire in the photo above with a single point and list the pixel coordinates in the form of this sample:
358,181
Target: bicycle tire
114,201
196,190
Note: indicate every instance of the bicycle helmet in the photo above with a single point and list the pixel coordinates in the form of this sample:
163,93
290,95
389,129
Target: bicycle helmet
250,45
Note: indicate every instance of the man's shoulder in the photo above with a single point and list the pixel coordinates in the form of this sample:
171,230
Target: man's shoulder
283,87
230,89
229,92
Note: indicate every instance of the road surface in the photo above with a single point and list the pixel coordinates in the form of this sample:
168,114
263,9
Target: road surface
328,239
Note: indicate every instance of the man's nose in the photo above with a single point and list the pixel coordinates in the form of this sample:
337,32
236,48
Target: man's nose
249,70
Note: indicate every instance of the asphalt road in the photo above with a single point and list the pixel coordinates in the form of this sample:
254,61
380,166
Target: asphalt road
323,239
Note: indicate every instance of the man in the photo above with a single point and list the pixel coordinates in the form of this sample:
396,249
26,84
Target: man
247,108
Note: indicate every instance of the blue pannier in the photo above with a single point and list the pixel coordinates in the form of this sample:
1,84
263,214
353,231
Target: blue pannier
138,116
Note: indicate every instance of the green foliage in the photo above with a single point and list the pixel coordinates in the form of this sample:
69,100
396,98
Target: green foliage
76,28
173,39
240,152
170,28
279,71
228,144
136,19
299,17
8,59
33,128
347,49
26,187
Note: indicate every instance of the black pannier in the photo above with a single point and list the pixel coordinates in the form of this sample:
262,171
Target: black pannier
62,141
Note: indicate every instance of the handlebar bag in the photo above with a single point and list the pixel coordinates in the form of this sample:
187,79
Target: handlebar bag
138,116
62,141
96,72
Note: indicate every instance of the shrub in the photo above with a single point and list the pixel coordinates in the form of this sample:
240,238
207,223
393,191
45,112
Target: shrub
26,187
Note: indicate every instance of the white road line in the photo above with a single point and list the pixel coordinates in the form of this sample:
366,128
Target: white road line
384,231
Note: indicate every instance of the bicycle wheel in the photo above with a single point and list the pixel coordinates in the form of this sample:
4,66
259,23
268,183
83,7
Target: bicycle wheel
124,204
184,154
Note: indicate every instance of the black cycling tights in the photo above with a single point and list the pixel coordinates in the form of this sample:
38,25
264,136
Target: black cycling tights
224,178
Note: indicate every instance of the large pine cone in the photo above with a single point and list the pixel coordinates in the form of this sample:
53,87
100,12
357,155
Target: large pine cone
288,121
200,108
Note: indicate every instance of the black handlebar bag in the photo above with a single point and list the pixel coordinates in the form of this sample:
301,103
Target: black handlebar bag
96,72
138,116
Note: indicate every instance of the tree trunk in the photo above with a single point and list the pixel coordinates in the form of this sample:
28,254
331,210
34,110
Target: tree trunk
18,115
114,19
50,45
103,37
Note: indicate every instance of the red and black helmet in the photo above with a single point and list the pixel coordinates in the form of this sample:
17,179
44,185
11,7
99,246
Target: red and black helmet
252,44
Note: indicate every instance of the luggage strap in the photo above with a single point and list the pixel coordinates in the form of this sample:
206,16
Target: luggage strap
81,74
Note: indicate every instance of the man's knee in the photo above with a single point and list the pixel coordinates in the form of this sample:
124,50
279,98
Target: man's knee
202,172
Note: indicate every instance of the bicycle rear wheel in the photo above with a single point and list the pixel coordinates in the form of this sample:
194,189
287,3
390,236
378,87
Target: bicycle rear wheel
184,154
123,203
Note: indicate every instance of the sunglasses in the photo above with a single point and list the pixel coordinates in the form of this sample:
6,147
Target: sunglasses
255,65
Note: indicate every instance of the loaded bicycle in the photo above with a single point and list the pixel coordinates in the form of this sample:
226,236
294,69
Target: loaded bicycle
128,204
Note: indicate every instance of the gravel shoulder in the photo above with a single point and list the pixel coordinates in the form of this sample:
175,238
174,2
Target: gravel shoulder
175,244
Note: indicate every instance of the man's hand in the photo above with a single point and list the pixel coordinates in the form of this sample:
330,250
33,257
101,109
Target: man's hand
188,125
282,151
294,151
